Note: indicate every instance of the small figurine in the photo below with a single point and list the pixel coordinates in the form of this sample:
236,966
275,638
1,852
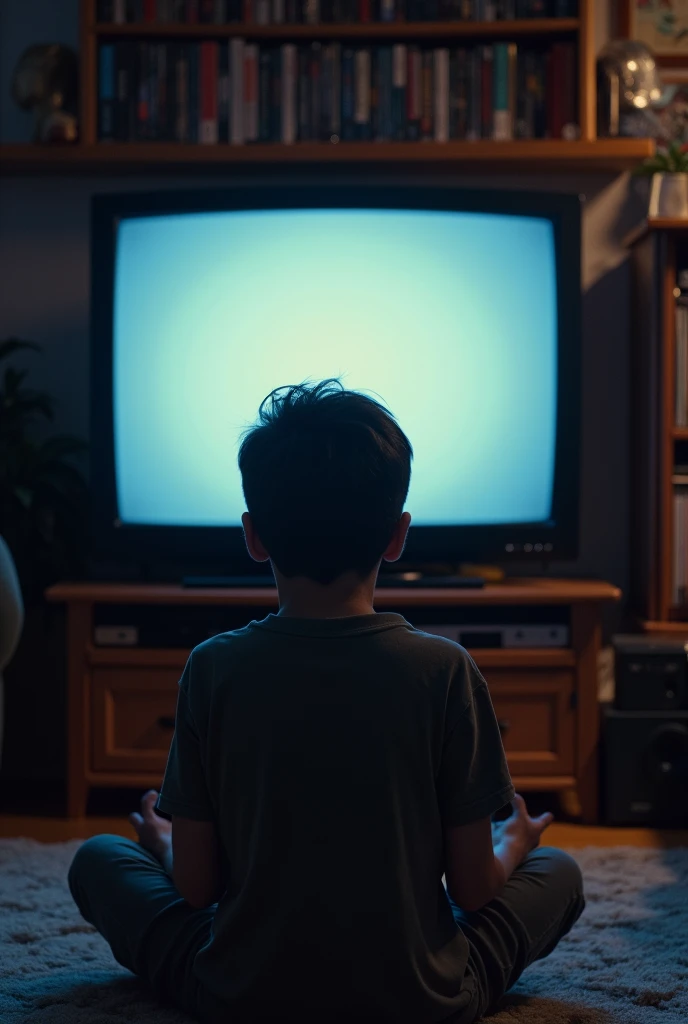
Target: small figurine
45,81
628,90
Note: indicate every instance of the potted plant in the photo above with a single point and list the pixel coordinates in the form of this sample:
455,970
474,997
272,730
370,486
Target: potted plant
668,170
42,492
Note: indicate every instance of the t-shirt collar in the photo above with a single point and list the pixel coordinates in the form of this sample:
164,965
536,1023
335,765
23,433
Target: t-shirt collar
349,625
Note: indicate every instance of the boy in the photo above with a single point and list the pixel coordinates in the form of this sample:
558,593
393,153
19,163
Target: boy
329,766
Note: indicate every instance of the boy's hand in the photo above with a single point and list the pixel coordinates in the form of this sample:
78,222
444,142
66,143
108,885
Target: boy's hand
154,832
520,830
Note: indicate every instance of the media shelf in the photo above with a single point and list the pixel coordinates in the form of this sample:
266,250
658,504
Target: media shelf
659,252
555,155
121,701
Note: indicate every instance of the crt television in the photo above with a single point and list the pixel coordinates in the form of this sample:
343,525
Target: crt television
459,309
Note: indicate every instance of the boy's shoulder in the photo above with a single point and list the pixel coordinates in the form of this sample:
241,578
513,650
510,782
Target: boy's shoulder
440,651
219,645
412,650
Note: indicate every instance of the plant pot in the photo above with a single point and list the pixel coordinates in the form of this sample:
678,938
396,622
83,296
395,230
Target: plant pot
669,195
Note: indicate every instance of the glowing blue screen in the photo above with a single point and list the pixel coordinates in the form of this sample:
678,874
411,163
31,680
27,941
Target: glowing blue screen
450,318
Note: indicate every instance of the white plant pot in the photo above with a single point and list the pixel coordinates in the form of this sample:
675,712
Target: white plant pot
669,195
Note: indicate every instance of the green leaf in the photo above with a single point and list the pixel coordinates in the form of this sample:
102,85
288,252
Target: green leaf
654,165
43,495
60,447
27,404
14,379
12,345
23,496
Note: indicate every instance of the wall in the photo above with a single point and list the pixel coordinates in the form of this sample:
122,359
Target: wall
44,289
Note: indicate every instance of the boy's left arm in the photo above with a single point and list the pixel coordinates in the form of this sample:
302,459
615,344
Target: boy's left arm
187,843
196,861
188,850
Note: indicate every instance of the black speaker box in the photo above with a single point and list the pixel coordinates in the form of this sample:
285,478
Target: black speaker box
651,674
646,767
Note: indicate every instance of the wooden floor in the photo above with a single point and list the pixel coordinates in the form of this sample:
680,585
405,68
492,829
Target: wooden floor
569,836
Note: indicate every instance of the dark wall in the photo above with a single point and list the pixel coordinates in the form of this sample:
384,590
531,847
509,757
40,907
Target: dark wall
44,295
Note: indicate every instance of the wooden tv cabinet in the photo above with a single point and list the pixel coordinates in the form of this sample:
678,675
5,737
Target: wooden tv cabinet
121,700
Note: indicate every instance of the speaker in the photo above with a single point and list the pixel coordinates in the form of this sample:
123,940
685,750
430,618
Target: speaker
651,674
646,767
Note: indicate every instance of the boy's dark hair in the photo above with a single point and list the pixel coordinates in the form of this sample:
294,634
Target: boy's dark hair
325,474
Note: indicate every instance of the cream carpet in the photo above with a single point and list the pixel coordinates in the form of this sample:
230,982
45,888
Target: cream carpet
625,962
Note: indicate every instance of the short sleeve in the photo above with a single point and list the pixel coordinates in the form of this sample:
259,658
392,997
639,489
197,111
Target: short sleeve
474,779
184,790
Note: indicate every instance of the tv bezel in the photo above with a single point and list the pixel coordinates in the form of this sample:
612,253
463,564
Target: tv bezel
224,547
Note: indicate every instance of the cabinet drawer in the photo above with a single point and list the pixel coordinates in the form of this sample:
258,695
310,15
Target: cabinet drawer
536,712
132,716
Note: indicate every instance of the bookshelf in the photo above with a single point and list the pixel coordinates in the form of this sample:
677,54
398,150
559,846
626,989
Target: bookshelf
538,155
349,30
659,447
586,153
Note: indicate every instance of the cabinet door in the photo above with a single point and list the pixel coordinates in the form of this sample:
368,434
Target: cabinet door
537,718
132,715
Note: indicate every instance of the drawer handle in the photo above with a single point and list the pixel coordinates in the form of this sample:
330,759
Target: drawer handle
166,721
504,725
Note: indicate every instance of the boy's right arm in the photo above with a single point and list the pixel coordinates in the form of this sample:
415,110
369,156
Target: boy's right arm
477,867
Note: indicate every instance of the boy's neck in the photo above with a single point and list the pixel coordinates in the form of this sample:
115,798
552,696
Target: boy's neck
302,598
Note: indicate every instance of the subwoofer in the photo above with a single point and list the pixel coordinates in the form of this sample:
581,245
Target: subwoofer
646,767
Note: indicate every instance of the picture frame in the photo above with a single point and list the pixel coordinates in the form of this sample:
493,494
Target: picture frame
661,24
672,113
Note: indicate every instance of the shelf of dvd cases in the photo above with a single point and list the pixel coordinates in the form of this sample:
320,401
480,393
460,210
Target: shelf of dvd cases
240,91
409,87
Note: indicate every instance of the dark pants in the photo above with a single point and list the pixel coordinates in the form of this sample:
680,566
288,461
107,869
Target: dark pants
125,893
540,903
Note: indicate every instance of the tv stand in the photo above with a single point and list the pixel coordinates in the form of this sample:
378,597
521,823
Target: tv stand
122,699
402,579
194,582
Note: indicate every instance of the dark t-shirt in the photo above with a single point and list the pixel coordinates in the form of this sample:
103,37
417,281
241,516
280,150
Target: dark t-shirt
331,753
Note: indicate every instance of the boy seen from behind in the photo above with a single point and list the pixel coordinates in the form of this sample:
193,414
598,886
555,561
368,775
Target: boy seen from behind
330,766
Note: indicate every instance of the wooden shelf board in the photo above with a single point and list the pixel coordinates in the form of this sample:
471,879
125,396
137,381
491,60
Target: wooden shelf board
143,657
676,225
512,591
369,30
523,657
680,433
512,657
669,627
143,780
543,154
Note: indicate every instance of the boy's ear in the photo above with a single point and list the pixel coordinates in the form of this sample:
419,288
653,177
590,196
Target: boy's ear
396,544
253,542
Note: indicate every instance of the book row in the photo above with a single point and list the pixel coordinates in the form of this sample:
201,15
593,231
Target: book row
267,12
681,376
239,92
680,546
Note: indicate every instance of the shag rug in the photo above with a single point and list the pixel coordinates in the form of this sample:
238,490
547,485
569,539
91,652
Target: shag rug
625,962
